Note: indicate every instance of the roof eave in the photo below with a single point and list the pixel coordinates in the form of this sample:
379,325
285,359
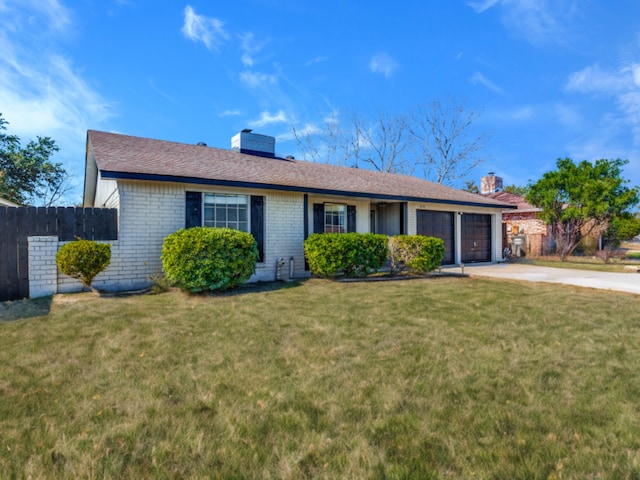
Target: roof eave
289,188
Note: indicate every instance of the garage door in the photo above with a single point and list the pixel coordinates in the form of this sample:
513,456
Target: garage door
439,225
476,238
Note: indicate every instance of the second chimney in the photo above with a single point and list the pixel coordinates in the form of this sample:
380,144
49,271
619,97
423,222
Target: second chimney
490,184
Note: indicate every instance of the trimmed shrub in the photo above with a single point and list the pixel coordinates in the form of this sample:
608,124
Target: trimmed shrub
206,258
83,259
416,253
348,254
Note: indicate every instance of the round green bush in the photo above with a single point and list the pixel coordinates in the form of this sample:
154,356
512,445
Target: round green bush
83,259
417,253
204,258
348,254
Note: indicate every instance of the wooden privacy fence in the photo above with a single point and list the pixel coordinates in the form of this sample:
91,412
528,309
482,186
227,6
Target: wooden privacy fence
67,223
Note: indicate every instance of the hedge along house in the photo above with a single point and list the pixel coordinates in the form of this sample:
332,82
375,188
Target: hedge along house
160,186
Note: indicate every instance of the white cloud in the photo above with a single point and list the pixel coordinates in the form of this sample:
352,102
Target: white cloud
250,48
621,85
41,92
57,14
383,63
230,113
593,79
256,80
629,104
502,115
478,78
316,60
480,7
46,15
267,118
636,74
199,28
540,22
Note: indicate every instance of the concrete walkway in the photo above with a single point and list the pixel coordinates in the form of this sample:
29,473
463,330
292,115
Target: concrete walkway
622,282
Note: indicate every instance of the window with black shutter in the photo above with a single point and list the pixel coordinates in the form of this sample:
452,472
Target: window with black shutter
257,223
334,218
240,212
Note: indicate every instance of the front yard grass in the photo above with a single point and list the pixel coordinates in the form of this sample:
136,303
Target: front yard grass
434,378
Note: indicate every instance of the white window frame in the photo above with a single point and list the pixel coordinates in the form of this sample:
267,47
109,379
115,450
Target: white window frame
231,209
332,212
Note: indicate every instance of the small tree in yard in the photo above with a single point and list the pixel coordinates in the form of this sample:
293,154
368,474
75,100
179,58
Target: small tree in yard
84,260
622,227
578,199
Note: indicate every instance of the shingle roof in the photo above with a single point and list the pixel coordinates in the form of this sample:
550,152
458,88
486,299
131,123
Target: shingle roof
123,156
513,199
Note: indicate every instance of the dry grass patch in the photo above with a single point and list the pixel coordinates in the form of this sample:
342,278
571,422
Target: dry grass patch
434,378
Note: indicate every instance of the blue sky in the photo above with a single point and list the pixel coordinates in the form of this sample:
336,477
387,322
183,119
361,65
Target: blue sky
553,78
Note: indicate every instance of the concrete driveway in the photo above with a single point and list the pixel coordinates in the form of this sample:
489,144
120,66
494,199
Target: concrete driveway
622,282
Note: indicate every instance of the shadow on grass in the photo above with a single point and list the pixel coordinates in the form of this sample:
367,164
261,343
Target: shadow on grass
257,287
27,308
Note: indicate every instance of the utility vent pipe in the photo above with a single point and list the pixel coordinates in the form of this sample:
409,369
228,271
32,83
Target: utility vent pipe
280,264
291,268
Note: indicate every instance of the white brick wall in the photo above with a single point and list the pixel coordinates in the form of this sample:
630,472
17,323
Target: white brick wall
43,272
148,213
284,234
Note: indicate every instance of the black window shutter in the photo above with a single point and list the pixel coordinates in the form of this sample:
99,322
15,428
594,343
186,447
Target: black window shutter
257,223
193,211
318,218
351,218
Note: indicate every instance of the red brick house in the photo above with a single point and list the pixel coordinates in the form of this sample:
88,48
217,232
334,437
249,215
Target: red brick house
522,230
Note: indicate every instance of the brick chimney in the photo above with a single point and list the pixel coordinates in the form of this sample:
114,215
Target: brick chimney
254,144
490,184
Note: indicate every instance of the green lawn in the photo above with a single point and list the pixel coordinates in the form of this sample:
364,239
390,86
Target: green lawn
433,378
581,263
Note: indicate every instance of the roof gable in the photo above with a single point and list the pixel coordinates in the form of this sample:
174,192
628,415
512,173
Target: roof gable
123,156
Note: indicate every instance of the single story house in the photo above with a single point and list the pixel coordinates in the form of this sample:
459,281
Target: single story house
159,187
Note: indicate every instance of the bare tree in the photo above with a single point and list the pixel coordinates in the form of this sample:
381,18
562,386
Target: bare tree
448,150
380,145
384,143
329,143
436,138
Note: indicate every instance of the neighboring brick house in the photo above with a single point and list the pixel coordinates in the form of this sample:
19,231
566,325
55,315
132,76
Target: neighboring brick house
159,187
523,231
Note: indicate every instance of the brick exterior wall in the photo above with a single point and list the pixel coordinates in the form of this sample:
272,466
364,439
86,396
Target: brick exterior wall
284,235
149,211
43,272
536,232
